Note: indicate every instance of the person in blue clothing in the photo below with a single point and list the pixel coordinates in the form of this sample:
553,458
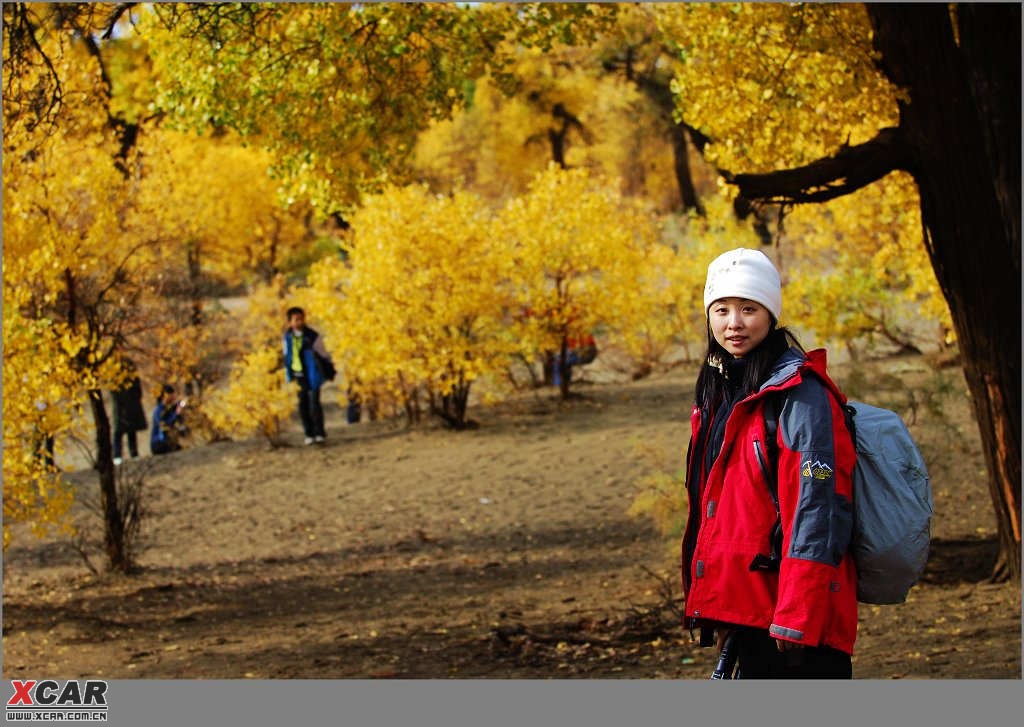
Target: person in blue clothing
579,351
307,363
168,422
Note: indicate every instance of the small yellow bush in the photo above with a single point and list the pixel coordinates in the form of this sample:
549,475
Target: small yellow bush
257,399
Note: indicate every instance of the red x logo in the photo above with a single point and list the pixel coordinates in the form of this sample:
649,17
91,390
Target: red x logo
21,693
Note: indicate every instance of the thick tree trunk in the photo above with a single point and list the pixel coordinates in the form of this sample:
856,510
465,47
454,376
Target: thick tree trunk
959,136
113,530
564,371
659,92
962,125
681,167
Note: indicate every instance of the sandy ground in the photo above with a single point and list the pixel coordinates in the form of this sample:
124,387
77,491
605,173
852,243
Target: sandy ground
501,552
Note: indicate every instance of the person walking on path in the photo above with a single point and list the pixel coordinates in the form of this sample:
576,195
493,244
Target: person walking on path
784,602
307,363
129,415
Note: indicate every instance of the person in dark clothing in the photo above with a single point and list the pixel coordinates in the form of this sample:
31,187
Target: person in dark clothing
129,415
43,444
783,597
168,423
305,361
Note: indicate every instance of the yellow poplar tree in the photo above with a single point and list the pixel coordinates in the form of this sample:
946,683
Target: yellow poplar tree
783,85
223,224
35,409
496,143
808,102
419,306
215,200
256,399
582,261
857,271
77,264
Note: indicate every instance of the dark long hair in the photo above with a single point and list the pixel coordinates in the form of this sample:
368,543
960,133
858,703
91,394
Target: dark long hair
711,381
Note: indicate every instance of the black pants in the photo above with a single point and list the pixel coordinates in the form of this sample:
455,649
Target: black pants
310,411
759,658
133,442
165,447
44,450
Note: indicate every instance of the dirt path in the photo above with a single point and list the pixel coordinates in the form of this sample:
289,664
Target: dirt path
503,552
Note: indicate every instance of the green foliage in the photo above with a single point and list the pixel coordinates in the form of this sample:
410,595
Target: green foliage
338,92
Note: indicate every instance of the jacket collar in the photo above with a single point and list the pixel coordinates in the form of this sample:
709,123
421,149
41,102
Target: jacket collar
791,366
785,368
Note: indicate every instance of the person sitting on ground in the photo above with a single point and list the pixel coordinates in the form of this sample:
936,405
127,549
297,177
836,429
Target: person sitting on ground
168,423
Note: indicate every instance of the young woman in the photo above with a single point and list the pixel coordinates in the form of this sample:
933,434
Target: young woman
766,566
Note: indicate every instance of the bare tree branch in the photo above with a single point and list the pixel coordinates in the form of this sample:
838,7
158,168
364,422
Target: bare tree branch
849,169
24,51
115,16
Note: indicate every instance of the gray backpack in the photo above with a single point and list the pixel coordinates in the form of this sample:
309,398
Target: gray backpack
892,501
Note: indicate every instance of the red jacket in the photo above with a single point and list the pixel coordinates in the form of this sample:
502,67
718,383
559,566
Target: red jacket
812,598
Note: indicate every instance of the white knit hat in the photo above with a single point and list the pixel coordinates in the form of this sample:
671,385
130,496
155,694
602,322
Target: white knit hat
744,273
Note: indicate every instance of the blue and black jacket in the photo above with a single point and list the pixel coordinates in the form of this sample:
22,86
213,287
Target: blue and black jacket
164,419
311,352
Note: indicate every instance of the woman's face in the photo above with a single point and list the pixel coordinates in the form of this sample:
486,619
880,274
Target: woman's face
739,325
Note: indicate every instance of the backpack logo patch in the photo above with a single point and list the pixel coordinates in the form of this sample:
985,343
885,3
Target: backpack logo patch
817,470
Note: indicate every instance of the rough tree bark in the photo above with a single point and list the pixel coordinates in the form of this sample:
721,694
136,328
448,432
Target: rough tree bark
113,522
114,536
959,137
963,127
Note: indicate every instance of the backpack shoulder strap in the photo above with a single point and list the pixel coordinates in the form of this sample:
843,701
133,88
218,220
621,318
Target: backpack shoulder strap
849,414
772,405
771,562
